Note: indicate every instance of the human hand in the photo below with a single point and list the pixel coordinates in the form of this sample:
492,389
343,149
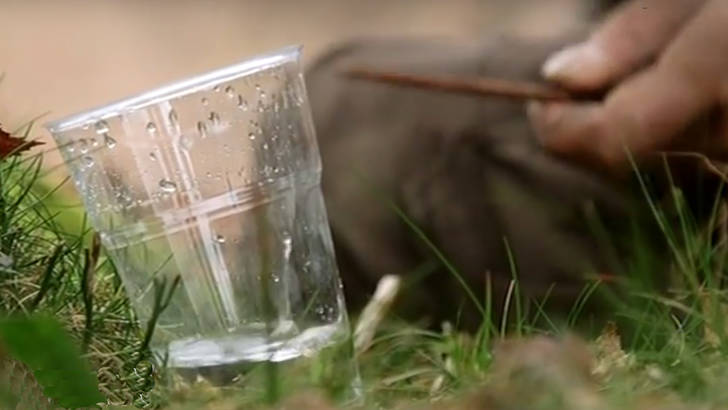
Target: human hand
667,64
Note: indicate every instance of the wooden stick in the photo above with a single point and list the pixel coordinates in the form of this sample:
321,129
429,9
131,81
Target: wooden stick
479,86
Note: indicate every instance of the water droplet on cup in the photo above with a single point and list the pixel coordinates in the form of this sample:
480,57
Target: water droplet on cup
251,136
167,185
152,156
102,127
205,101
230,91
216,88
152,127
242,104
83,145
173,118
214,117
219,239
110,142
87,161
202,129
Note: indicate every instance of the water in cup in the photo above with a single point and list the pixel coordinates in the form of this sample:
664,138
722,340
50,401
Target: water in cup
214,182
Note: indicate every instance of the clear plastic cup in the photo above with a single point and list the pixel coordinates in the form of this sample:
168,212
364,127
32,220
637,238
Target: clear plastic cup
213,183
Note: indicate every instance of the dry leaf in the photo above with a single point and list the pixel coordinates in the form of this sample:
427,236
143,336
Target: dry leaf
375,311
10,145
609,353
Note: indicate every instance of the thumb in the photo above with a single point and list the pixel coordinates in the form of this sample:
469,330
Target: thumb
648,110
631,36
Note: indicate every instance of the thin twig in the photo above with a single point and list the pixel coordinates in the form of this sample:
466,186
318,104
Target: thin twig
710,164
479,86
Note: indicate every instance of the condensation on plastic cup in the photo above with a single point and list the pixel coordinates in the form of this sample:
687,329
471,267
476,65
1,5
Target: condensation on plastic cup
213,182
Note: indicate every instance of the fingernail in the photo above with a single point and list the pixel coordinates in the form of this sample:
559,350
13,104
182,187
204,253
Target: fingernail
572,60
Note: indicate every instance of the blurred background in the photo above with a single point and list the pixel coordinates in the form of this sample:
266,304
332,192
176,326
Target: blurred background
63,56
59,57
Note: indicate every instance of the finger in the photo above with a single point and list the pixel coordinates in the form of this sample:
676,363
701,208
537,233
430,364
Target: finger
629,38
645,112
569,130
639,116
700,52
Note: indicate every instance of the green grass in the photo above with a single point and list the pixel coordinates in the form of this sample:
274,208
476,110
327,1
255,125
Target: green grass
674,340
48,268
